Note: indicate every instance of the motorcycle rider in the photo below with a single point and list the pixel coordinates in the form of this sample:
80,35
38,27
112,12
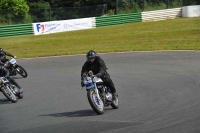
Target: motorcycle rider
97,65
3,55
5,73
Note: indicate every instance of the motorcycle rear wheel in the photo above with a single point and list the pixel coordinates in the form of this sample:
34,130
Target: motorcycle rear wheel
20,96
115,103
9,94
96,104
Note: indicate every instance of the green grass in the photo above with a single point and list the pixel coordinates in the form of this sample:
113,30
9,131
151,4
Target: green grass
177,34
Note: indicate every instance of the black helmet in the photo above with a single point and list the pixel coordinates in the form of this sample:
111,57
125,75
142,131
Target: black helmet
91,55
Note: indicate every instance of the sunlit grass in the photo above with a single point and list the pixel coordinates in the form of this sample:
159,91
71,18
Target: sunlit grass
177,34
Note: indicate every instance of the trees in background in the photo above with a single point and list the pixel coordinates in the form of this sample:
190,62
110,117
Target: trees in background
24,11
39,9
16,10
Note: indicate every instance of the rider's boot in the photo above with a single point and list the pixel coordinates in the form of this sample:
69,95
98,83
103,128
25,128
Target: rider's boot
18,90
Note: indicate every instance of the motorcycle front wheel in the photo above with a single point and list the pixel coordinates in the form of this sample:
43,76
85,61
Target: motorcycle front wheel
9,94
96,104
19,69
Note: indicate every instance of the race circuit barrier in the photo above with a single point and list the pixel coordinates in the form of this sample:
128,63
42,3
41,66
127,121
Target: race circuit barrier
95,22
118,19
191,11
161,14
16,30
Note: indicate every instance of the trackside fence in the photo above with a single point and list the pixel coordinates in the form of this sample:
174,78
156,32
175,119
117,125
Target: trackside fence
16,30
161,14
95,22
118,19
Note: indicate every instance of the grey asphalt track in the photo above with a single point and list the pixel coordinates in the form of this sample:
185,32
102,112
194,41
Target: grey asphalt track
159,92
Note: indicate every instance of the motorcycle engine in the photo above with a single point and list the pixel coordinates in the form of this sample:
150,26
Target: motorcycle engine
15,89
101,88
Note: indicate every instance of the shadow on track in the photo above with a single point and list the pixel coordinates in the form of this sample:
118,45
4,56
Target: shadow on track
17,77
5,101
79,113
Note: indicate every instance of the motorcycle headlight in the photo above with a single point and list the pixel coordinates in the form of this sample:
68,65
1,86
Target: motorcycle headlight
1,81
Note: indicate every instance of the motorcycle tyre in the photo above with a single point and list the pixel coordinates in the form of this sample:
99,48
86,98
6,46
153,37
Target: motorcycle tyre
93,105
24,71
115,103
20,96
7,96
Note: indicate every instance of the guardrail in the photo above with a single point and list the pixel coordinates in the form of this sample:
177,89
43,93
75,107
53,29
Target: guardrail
16,30
27,29
118,19
161,14
191,11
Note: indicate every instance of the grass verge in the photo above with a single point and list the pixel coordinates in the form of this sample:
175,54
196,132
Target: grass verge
176,34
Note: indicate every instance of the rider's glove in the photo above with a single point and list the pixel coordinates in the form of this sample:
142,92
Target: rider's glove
98,75
82,84
83,75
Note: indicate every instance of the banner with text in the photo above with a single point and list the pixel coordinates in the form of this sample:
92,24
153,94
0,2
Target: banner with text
62,26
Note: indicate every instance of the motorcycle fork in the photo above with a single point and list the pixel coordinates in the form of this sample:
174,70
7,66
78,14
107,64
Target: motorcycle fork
96,91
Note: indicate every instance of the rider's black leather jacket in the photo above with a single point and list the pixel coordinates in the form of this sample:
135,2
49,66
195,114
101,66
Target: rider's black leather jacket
4,72
98,66
3,55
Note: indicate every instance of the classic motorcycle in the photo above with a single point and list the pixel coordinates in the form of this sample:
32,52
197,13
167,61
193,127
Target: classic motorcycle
14,68
98,94
10,91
